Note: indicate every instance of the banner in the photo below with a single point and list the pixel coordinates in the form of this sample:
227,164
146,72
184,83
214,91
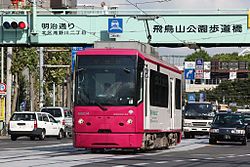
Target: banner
2,108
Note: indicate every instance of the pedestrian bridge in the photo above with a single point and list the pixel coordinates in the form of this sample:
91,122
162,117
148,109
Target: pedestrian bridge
170,28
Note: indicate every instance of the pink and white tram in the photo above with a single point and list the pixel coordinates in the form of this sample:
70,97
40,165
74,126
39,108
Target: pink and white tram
125,99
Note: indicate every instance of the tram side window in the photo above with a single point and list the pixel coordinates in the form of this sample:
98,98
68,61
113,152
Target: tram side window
158,89
178,94
140,80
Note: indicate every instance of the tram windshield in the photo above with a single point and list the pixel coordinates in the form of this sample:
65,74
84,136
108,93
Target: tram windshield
105,80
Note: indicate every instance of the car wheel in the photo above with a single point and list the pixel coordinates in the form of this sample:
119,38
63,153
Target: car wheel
186,135
42,135
97,150
13,137
244,142
60,135
212,141
32,137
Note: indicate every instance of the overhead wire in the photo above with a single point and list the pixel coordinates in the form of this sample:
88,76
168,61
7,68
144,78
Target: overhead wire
146,2
91,33
155,1
154,20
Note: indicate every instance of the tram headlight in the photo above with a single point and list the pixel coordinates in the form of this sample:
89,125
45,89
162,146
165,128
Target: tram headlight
80,121
130,121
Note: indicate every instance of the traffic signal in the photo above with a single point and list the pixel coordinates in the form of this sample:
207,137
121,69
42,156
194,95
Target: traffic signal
14,25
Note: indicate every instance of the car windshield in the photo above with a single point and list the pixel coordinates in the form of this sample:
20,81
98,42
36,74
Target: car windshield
23,117
199,111
105,80
67,113
228,119
54,112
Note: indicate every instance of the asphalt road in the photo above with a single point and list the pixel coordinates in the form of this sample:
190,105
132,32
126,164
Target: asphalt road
23,142
54,153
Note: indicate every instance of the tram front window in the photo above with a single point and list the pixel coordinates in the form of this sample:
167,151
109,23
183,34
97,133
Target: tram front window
105,80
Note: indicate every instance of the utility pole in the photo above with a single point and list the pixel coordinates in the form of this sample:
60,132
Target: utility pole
2,64
9,87
41,63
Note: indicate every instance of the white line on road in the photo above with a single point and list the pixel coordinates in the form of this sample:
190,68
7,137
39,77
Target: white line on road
140,164
179,160
161,162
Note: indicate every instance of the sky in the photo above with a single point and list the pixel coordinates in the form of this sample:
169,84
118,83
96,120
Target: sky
176,4
181,5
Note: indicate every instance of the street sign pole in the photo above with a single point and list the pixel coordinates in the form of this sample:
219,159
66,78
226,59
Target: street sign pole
2,64
9,88
41,99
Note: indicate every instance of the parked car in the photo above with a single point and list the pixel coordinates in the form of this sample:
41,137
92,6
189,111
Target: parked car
63,115
247,121
228,126
34,124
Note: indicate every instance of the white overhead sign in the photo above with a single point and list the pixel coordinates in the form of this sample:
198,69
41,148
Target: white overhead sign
189,65
207,65
232,75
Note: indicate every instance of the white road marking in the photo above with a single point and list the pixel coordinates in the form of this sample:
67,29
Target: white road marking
179,160
231,156
140,164
67,155
220,157
240,155
208,158
161,162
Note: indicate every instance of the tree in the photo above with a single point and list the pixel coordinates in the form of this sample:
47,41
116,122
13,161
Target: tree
231,91
226,57
24,58
198,54
57,75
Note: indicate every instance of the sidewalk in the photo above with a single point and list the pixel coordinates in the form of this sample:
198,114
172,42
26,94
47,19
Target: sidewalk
4,137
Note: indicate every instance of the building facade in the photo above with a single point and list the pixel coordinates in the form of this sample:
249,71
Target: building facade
213,73
54,4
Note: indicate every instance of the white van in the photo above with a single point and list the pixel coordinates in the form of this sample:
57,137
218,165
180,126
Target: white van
64,115
34,124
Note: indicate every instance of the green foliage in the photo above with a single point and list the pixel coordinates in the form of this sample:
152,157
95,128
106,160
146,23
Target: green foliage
231,91
198,54
227,57
24,58
57,74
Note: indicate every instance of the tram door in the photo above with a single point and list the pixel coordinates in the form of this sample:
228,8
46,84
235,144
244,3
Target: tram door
171,99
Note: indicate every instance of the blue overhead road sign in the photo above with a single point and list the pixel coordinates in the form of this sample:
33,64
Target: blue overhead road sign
115,25
191,97
189,74
199,62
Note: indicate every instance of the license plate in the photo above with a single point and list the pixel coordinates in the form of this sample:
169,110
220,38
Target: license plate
227,137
